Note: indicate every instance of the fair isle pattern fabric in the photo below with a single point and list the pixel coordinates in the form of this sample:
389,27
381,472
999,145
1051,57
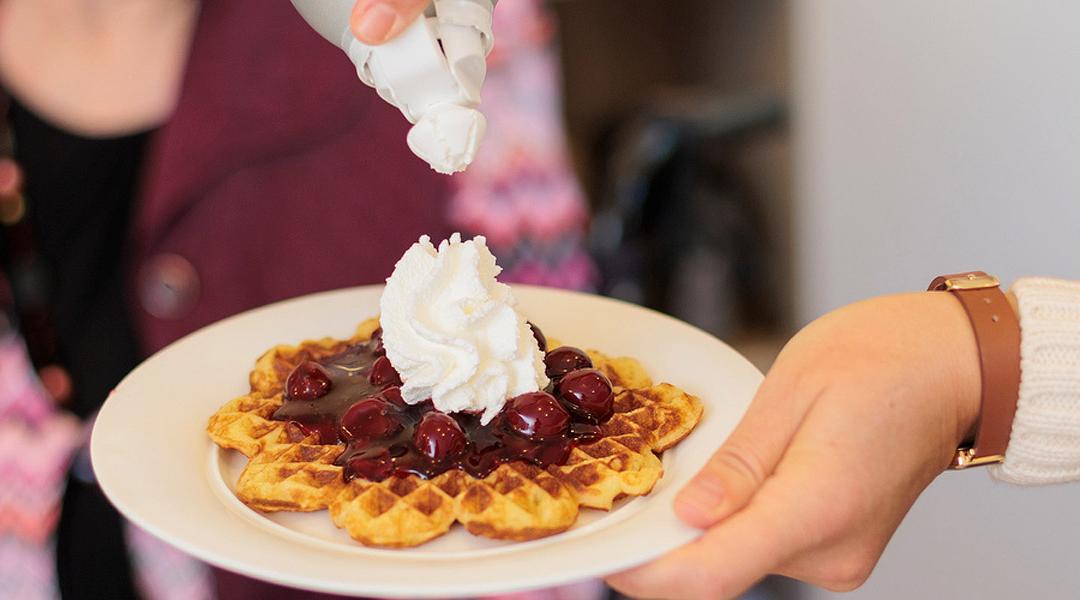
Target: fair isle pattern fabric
586,590
26,570
521,192
36,444
165,573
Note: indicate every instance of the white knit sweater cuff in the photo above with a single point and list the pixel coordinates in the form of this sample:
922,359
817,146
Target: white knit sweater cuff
1045,442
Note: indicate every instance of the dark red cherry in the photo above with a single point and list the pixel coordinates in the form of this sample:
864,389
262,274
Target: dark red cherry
564,359
539,335
324,430
588,394
536,415
585,433
383,373
374,468
438,436
377,343
371,418
308,381
393,396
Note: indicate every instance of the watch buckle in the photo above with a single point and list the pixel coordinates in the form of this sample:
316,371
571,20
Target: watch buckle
965,458
972,281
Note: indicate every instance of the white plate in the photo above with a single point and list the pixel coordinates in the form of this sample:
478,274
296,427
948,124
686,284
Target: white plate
156,464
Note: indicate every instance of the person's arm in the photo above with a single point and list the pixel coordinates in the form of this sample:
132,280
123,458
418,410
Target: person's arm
861,411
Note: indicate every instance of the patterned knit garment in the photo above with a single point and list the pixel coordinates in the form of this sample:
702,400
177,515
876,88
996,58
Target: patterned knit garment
521,192
36,444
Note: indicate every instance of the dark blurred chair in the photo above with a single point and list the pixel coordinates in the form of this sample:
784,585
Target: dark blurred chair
676,227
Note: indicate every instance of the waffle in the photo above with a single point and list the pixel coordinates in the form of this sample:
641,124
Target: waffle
244,424
289,471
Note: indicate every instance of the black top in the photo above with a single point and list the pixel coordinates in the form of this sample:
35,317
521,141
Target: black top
65,261
68,267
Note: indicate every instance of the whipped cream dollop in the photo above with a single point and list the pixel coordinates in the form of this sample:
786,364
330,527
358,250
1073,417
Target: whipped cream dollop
448,137
452,332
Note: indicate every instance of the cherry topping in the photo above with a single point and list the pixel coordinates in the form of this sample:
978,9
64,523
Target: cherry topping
373,468
588,394
564,359
350,401
393,396
324,430
438,436
370,418
377,343
536,415
539,335
585,433
308,381
383,373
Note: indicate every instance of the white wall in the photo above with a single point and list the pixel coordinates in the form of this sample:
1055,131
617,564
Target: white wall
935,137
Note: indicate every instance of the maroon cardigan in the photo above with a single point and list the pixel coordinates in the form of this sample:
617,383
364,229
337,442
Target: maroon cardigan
280,174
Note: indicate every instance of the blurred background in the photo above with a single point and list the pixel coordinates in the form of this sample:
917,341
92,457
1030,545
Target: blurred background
839,150
748,166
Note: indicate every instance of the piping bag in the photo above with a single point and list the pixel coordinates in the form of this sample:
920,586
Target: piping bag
432,72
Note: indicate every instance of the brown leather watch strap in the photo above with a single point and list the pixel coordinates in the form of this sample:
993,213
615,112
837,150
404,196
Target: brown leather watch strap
997,334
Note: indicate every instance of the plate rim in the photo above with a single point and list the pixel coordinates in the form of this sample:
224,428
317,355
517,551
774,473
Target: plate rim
223,560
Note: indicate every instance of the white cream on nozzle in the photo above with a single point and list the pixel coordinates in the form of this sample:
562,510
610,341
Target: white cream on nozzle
448,136
432,72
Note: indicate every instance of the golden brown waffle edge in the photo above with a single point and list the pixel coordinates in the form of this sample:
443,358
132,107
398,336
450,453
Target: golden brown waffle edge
517,501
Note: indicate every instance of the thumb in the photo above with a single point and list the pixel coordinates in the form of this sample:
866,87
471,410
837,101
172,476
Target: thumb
378,21
735,472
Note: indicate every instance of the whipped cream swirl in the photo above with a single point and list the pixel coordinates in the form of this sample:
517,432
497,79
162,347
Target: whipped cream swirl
451,330
448,137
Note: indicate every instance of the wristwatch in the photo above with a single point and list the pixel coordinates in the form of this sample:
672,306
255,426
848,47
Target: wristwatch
997,334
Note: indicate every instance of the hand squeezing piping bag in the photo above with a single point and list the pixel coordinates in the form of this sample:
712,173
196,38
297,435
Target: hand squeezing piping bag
432,72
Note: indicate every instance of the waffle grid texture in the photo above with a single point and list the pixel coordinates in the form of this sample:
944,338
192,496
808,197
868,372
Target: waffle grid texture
289,471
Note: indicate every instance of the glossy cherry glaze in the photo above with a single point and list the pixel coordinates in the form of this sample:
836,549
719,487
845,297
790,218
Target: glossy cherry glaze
383,373
349,382
588,394
539,335
309,381
564,359
370,418
376,342
385,437
537,416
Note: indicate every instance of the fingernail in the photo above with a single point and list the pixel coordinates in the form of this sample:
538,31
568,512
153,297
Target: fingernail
699,503
10,177
374,25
